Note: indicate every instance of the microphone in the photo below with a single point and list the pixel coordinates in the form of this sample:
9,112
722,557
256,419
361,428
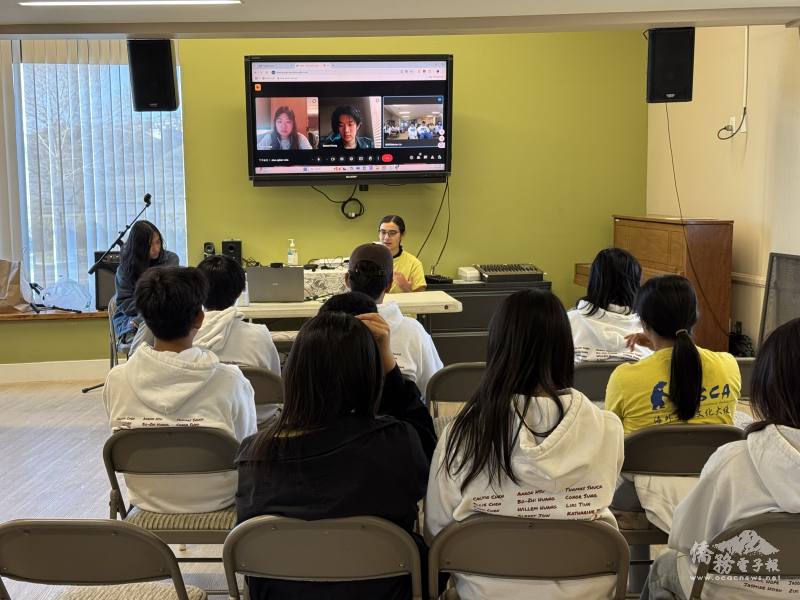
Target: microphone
147,198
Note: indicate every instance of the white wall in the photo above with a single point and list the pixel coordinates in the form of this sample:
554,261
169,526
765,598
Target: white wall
754,178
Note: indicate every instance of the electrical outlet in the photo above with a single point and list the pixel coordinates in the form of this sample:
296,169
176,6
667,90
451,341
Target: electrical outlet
732,124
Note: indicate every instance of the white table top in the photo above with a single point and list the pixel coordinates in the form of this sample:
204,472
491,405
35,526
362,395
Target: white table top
419,303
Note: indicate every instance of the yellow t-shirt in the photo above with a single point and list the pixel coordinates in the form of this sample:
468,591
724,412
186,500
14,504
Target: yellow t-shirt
409,265
638,393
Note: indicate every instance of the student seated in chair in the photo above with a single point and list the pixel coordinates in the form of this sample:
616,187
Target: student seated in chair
173,384
743,479
224,330
525,434
371,272
678,383
330,454
605,316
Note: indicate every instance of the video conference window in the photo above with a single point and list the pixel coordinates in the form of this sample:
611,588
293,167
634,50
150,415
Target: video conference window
413,122
355,123
287,123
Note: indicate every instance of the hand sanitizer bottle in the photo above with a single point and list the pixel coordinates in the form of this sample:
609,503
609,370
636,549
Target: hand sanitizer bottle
291,256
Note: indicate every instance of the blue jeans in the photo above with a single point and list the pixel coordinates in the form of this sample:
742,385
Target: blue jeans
663,582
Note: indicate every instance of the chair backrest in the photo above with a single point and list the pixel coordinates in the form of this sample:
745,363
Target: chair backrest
779,530
267,385
84,552
591,378
516,548
746,365
353,548
454,383
680,450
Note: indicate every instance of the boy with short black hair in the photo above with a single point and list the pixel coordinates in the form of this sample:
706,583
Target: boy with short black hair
224,330
370,271
172,384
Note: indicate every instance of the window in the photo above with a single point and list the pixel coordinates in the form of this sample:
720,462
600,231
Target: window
89,159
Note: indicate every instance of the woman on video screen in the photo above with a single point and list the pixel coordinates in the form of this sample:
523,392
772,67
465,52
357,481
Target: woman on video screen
345,123
284,134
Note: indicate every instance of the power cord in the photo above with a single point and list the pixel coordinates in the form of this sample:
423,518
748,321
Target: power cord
351,207
436,218
720,135
447,234
683,229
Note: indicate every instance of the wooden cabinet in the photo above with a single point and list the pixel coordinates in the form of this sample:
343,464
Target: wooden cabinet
699,249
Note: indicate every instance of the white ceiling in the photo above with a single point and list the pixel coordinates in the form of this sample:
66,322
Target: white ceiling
381,17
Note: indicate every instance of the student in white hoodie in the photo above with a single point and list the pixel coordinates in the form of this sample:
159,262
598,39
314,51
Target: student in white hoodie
743,479
527,445
224,330
175,384
371,273
604,317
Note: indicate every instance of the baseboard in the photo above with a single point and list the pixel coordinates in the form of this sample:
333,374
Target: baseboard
67,370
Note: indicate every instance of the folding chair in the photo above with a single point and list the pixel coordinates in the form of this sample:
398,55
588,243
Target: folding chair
454,383
536,549
115,347
591,378
268,389
349,549
171,451
91,553
781,530
670,451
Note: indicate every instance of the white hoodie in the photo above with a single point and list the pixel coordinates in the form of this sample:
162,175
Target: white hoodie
168,389
742,479
602,336
234,340
412,346
571,474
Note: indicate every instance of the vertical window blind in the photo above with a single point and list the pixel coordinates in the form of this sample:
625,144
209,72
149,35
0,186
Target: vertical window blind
89,159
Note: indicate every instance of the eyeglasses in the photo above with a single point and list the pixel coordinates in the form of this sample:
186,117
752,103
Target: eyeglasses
389,232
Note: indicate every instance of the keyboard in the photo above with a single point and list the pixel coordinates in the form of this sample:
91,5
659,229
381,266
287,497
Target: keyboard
509,272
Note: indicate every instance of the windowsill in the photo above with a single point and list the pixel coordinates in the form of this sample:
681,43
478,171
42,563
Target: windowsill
53,315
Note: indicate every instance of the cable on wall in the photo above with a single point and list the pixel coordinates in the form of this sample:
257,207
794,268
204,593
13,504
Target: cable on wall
720,135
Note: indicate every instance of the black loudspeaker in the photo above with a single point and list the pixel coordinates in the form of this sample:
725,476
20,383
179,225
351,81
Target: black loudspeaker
209,249
233,248
670,64
104,284
154,80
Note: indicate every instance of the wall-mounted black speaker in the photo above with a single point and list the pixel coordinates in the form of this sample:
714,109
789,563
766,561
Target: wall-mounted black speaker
670,64
104,284
154,80
233,248
209,249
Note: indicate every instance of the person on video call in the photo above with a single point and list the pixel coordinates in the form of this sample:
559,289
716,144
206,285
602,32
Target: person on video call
409,275
284,134
345,122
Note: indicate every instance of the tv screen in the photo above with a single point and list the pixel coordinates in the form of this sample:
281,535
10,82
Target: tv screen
348,119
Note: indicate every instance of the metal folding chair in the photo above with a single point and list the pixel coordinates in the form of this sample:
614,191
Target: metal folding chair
454,383
268,388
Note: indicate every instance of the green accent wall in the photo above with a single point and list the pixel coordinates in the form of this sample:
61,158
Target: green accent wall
550,140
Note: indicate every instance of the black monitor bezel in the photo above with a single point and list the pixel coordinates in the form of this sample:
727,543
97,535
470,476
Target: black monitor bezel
347,178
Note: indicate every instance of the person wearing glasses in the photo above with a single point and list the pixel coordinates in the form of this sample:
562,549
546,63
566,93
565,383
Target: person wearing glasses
409,276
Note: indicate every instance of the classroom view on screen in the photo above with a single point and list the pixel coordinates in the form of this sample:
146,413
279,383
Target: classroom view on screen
339,116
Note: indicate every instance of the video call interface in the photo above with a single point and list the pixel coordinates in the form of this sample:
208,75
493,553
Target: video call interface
349,117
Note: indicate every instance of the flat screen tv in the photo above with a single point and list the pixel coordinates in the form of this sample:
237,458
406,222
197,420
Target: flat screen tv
349,119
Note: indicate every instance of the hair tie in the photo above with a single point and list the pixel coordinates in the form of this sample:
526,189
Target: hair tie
680,331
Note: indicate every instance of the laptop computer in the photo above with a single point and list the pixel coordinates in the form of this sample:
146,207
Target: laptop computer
275,284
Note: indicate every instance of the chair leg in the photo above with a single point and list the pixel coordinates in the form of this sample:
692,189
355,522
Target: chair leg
637,575
93,387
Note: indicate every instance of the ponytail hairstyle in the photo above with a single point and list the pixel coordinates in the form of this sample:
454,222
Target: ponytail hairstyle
668,305
776,379
613,279
530,353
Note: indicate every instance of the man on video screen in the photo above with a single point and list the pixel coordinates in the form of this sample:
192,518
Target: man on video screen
345,122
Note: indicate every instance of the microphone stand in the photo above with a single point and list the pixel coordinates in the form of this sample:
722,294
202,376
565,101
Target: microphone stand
96,265
118,241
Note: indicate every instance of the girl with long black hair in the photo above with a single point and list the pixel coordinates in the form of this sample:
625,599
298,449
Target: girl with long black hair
743,479
526,444
604,316
143,249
